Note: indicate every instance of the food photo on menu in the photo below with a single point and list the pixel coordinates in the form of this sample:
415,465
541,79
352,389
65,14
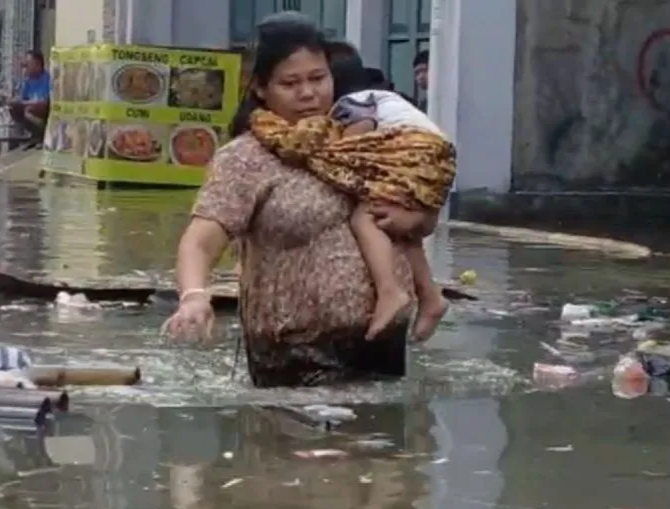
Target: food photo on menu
139,143
137,83
196,89
193,144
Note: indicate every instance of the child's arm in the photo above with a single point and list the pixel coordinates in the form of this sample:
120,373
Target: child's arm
357,117
360,127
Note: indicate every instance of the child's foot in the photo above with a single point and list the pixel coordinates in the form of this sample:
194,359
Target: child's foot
389,304
431,310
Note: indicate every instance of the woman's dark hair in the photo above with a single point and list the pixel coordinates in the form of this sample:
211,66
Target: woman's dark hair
279,36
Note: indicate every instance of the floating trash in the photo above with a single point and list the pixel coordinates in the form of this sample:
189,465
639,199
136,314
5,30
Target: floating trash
330,413
77,300
321,453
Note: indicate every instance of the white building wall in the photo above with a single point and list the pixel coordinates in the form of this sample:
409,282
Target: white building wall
472,82
189,23
365,28
485,98
74,20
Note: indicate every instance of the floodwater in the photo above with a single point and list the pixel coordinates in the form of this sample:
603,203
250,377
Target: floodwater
464,431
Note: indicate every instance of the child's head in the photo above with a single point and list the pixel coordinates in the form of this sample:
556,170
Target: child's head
349,75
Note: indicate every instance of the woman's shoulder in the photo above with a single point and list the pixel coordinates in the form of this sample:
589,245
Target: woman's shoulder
241,153
243,147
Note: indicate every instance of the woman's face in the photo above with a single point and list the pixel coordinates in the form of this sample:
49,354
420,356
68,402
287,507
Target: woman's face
300,86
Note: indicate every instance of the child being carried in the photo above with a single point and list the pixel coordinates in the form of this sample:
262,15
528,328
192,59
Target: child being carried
376,147
362,109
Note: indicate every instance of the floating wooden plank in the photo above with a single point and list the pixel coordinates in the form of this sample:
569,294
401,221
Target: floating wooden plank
134,287
58,376
140,287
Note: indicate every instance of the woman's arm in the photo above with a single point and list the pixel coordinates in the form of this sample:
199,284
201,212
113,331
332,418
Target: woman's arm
235,187
200,248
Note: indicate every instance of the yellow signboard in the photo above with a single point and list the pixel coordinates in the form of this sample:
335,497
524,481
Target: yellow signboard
137,114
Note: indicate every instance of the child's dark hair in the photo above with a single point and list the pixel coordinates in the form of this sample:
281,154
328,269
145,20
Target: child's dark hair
279,36
350,75
421,58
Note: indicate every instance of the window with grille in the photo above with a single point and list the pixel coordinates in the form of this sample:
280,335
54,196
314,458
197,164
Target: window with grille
246,14
407,33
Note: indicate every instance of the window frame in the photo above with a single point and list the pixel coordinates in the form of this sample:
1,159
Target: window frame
279,5
413,36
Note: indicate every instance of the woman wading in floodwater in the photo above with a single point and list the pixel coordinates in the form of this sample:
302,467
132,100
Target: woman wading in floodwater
306,293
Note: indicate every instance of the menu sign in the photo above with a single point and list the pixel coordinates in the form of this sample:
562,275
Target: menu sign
139,114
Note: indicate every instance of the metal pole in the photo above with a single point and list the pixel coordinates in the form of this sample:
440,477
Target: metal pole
130,16
117,21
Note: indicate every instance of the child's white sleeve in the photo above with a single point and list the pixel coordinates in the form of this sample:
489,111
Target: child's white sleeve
350,110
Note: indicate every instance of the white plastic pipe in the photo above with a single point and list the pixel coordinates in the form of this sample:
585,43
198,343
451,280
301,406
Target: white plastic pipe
117,21
443,71
443,83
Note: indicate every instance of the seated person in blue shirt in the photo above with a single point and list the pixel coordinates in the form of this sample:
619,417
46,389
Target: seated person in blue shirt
31,108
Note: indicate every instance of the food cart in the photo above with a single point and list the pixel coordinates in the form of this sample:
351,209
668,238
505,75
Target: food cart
139,114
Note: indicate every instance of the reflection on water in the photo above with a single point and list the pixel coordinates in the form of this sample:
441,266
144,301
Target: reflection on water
463,432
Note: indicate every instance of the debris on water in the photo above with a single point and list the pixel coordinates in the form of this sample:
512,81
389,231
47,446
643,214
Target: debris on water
292,484
628,321
466,377
554,377
330,413
499,313
376,443
321,453
571,312
552,350
642,333
561,448
365,479
77,300
568,337
18,307
15,379
570,352
642,372
468,277
232,482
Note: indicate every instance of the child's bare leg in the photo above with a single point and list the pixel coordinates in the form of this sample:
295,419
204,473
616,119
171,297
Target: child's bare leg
377,250
432,305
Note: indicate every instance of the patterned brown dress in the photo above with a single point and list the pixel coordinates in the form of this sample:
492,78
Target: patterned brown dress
306,294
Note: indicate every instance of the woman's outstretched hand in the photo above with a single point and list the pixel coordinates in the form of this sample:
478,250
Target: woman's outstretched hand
193,320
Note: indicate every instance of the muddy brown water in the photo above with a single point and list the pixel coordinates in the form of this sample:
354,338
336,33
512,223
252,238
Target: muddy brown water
464,431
